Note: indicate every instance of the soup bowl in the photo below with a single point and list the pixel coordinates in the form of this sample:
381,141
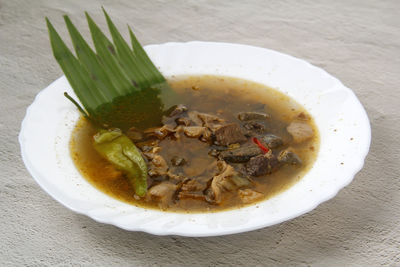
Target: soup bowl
342,122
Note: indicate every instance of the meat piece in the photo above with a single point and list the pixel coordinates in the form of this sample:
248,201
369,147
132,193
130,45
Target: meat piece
207,136
198,131
240,181
176,177
147,145
256,127
234,146
203,119
192,189
241,154
210,121
159,161
214,153
272,141
157,165
241,169
178,161
300,131
156,171
152,153
249,116
221,182
182,121
229,134
178,131
249,196
163,192
169,121
168,129
178,110
155,149
193,185
194,131
174,113
160,132
289,157
262,164
194,118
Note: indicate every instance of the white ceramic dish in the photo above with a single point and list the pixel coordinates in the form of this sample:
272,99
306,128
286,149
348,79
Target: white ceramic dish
342,121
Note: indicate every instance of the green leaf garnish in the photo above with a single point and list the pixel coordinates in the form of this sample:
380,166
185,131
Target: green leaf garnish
118,86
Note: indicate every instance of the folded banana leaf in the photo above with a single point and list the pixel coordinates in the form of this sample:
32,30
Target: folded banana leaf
117,85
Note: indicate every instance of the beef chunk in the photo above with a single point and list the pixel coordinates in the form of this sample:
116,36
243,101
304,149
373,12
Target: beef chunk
229,134
163,192
249,116
289,157
261,165
272,141
241,154
300,131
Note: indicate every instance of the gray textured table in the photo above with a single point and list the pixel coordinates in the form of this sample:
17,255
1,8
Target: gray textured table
356,41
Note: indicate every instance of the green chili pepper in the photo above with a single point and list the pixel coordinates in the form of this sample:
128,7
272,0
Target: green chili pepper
119,150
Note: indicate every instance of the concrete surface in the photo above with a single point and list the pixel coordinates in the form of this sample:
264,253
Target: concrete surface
356,41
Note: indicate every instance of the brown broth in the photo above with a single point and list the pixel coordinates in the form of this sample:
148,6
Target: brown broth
215,95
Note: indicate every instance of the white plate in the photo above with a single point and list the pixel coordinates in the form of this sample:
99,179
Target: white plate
342,121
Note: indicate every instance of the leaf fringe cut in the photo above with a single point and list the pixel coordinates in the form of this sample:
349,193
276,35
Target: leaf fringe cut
117,85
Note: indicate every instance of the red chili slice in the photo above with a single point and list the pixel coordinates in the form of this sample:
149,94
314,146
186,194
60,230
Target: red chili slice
261,146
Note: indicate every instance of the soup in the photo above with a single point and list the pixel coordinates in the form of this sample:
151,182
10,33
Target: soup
231,143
